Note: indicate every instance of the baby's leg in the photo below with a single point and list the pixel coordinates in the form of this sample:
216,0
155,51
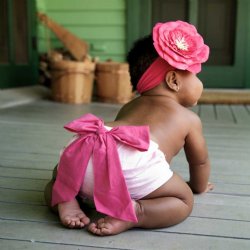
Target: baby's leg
168,205
48,191
70,213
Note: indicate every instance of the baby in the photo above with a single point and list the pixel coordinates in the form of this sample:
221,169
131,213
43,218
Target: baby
123,166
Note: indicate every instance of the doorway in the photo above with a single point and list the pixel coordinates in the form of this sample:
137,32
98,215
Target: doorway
222,23
18,53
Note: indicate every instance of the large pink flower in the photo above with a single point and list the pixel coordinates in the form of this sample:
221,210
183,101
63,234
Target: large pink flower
180,45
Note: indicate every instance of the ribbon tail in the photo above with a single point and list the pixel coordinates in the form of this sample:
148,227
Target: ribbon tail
71,170
111,195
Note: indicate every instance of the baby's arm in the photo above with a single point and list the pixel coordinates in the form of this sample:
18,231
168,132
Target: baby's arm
197,157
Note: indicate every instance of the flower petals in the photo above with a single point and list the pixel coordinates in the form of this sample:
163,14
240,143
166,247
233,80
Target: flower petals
180,45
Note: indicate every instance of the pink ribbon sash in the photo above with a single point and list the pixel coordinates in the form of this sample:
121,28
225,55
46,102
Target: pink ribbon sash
111,195
154,75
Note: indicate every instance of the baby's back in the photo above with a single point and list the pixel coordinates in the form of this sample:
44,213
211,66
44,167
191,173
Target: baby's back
168,121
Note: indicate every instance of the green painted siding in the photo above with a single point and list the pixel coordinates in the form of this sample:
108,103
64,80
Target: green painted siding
102,23
247,62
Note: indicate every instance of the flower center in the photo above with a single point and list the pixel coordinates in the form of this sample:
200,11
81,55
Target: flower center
181,43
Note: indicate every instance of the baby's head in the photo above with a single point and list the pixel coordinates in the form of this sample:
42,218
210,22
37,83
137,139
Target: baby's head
140,57
174,46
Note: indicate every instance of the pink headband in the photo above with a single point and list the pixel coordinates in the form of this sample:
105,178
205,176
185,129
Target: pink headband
179,46
154,75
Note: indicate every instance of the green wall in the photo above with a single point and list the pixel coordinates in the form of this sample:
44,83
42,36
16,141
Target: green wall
102,23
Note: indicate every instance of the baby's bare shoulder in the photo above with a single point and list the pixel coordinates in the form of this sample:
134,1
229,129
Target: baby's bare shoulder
188,119
193,123
192,115
186,113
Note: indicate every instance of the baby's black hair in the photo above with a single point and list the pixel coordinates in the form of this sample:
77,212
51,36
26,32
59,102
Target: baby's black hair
140,57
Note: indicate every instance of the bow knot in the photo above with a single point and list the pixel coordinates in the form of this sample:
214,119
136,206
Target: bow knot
101,130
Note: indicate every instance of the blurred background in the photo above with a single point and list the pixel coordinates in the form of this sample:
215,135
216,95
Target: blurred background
110,27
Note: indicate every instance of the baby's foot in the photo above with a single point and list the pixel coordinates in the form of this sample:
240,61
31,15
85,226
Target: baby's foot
110,225
71,215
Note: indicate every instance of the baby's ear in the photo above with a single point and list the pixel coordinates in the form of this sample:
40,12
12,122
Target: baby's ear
172,81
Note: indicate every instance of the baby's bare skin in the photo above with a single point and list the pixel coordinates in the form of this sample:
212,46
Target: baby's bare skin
71,215
110,226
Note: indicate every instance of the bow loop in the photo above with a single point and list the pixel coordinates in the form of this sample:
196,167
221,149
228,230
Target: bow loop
134,136
85,124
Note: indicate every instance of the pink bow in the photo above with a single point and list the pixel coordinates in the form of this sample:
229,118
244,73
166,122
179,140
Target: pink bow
111,195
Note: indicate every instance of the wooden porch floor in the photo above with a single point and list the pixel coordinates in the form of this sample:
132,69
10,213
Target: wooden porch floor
31,137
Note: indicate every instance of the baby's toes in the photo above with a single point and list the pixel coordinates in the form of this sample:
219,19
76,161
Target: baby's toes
104,227
94,229
84,219
101,223
79,224
67,221
72,224
105,231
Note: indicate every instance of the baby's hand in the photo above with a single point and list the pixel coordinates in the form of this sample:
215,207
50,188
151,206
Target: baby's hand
210,186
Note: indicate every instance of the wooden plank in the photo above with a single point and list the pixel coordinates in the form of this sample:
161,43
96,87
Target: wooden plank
77,5
223,200
231,189
217,176
224,113
96,32
241,114
89,17
207,113
9,244
220,127
22,183
32,161
220,212
27,212
39,174
41,112
22,196
231,141
248,108
212,227
226,159
48,233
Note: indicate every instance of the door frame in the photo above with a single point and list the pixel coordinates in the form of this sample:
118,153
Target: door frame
139,15
17,75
